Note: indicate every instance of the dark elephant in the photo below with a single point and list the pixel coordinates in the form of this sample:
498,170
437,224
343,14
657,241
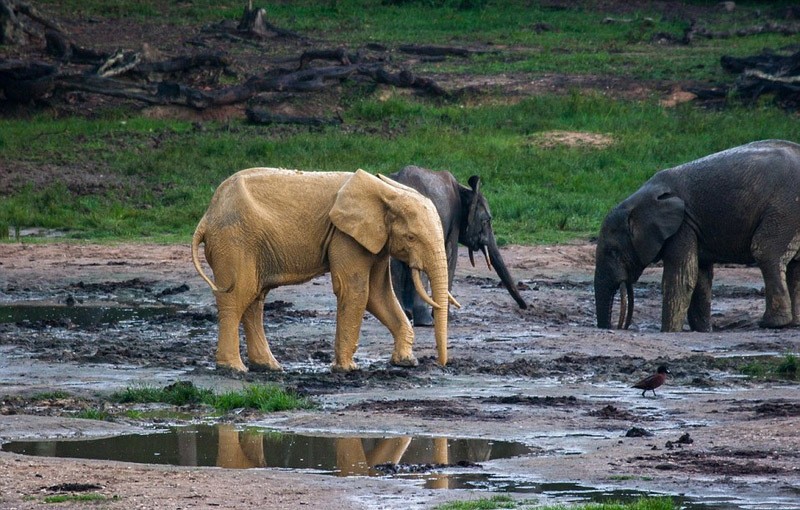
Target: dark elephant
739,206
466,219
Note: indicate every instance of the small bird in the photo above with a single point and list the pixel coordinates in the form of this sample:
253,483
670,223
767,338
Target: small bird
652,382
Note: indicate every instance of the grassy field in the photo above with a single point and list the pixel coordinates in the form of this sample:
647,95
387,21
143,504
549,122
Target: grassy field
164,171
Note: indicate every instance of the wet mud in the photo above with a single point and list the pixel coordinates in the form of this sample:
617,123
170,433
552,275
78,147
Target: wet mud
544,377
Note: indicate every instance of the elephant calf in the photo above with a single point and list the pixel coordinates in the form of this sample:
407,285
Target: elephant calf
739,206
466,219
268,227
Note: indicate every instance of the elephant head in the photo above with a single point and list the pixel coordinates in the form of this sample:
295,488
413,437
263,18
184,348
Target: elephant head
382,214
631,238
476,234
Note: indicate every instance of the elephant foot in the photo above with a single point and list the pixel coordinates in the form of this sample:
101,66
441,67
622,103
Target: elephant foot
775,322
701,327
404,361
233,363
344,367
262,367
230,371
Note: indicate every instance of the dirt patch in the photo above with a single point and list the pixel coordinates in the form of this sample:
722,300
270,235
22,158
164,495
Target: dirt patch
544,376
551,139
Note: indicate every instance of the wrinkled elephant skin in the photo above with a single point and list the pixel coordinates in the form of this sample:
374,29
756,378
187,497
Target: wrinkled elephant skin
466,219
268,227
738,206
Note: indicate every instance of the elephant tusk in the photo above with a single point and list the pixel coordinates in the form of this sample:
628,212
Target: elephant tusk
623,305
486,256
453,300
629,315
421,289
471,258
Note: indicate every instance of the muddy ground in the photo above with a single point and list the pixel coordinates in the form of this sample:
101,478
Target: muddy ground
542,376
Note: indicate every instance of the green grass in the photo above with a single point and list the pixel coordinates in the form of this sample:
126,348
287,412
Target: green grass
537,194
263,397
577,41
505,502
179,394
92,414
158,175
50,395
91,497
772,367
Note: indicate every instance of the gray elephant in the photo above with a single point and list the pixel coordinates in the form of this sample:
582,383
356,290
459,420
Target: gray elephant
738,206
466,219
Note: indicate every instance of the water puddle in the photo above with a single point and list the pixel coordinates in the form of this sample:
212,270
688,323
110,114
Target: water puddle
80,315
434,462
225,446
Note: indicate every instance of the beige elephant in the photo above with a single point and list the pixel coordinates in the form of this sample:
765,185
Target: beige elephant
269,227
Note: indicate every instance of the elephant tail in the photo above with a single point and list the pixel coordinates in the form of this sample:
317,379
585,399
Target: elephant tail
197,238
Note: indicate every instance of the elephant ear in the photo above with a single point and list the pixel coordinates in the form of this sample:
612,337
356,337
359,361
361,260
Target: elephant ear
653,220
359,210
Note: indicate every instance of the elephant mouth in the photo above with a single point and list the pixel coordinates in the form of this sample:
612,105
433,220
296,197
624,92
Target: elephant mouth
625,305
420,288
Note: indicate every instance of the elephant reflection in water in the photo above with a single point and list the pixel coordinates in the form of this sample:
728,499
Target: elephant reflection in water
240,450
354,456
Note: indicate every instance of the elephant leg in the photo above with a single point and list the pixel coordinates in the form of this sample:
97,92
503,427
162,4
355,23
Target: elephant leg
350,265
793,282
700,306
230,314
382,304
258,351
679,278
773,251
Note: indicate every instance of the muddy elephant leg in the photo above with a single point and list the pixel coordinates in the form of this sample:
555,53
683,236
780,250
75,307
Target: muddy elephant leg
773,250
679,279
258,351
350,265
700,306
382,304
778,311
230,312
793,282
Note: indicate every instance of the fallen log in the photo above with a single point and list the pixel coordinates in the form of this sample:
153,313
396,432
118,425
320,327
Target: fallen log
23,82
182,64
340,55
308,80
13,27
438,51
61,47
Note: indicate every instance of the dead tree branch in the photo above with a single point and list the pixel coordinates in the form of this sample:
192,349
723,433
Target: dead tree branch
436,51
13,27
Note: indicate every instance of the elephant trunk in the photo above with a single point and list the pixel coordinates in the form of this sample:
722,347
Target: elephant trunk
441,296
604,300
500,268
435,266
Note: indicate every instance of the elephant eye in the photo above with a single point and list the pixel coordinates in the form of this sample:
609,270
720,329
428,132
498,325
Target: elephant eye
410,237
